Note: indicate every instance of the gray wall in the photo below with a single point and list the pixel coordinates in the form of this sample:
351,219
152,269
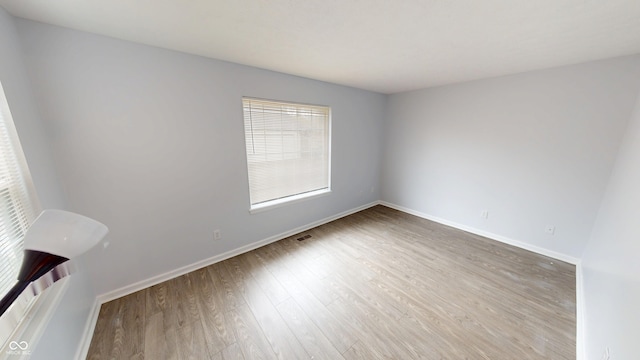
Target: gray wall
31,129
611,261
535,149
151,142
74,308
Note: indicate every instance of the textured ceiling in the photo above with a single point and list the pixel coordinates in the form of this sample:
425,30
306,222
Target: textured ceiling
380,45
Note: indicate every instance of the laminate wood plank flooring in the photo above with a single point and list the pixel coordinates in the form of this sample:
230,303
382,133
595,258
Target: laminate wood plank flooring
377,284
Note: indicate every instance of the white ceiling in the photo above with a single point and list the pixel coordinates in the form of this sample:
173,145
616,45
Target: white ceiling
380,45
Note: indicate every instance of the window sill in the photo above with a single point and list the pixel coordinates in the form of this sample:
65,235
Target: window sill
268,205
25,321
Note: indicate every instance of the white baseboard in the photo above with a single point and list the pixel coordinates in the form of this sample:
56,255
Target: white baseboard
83,350
503,239
130,289
85,342
580,315
581,351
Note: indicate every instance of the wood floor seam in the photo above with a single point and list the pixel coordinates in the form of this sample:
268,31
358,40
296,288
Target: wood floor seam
377,284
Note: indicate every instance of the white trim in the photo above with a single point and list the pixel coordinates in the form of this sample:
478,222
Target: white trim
90,325
581,350
87,335
271,204
41,309
130,289
580,304
45,309
503,239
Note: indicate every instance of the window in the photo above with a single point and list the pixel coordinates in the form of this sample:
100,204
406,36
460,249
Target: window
17,207
288,151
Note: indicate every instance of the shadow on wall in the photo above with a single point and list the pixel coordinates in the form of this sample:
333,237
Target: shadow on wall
613,318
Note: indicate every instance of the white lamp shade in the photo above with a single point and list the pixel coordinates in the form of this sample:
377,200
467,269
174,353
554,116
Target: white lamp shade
63,233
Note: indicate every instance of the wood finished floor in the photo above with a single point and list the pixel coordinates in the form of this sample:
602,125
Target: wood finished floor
378,284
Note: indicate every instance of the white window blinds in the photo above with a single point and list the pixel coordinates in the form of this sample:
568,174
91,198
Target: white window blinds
288,147
16,206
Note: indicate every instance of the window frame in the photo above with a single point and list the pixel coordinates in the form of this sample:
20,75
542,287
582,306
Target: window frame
21,199
18,320
298,197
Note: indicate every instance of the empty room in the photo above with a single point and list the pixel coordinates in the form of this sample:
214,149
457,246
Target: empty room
309,179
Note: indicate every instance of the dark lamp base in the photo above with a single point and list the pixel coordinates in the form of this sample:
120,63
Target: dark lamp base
34,265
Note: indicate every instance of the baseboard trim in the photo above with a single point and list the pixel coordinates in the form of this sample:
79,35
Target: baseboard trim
83,350
87,335
500,238
580,304
129,289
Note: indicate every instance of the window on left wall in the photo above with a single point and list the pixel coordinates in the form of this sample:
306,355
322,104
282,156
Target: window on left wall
18,208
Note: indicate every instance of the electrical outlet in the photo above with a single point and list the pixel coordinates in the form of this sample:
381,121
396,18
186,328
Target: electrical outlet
606,355
550,229
216,234
484,214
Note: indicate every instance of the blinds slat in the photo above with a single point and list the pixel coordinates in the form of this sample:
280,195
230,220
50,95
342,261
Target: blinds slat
287,148
16,206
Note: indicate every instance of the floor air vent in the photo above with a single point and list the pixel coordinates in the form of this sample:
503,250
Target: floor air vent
303,237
